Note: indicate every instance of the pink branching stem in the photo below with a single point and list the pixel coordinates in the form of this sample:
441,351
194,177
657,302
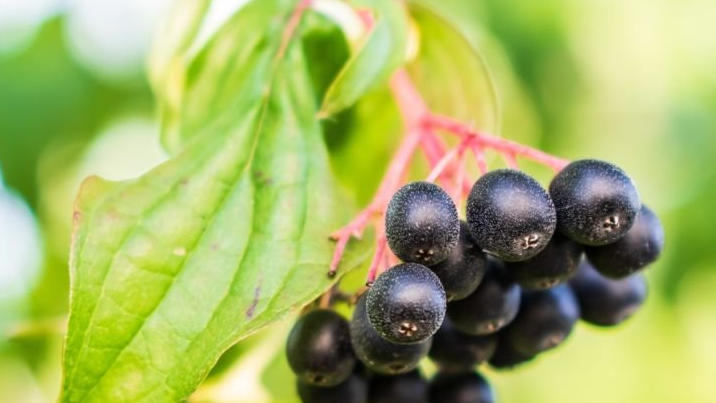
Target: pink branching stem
479,156
412,109
458,188
502,146
434,148
448,165
292,25
511,161
378,260
448,158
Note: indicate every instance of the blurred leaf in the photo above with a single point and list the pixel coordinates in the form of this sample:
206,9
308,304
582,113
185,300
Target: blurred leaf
381,52
450,73
171,269
173,41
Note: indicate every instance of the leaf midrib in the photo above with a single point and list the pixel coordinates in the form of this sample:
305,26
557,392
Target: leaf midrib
220,204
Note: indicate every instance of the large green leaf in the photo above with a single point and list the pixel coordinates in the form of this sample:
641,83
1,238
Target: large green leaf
451,74
381,51
172,268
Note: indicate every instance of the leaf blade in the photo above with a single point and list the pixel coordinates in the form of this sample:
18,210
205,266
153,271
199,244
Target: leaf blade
383,50
170,269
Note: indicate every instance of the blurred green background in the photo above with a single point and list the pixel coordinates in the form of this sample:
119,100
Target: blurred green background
629,81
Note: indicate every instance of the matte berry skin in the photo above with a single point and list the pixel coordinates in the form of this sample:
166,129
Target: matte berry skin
469,387
406,304
640,247
352,390
607,302
596,202
510,215
491,307
454,351
319,348
506,357
421,223
553,266
408,388
463,269
545,320
378,354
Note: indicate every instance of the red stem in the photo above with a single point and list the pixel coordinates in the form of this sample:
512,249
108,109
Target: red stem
503,146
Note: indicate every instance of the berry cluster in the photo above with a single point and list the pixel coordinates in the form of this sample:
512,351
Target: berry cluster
501,287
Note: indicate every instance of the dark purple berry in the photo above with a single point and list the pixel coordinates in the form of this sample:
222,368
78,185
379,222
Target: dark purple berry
352,390
506,357
407,388
545,320
468,387
596,202
454,351
554,265
406,304
463,269
640,247
421,223
510,215
607,302
491,307
319,348
378,354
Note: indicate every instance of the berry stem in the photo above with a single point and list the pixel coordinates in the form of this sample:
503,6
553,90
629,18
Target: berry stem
485,140
420,123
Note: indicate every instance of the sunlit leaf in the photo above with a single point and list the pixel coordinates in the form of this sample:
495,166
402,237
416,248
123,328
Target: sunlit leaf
451,74
171,269
382,51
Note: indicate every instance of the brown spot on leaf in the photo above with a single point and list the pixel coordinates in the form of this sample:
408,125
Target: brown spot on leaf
254,302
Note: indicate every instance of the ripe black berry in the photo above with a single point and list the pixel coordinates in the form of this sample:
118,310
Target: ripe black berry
454,351
545,320
491,307
554,265
468,387
510,215
640,247
406,304
407,388
352,390
506,357
319,348
378,354
596,202
421,223
463,269
607,302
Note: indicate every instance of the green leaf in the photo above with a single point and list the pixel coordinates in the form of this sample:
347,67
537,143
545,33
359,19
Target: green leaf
451,74
171,269
379,54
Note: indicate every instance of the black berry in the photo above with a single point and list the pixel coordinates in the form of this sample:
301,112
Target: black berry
406,304
319,348
491,307
468,387
407,388
554,265
421,223
378,354
596,202
506,357
640,247
607,302
454,351
352,390
510,215
463,269
545,320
